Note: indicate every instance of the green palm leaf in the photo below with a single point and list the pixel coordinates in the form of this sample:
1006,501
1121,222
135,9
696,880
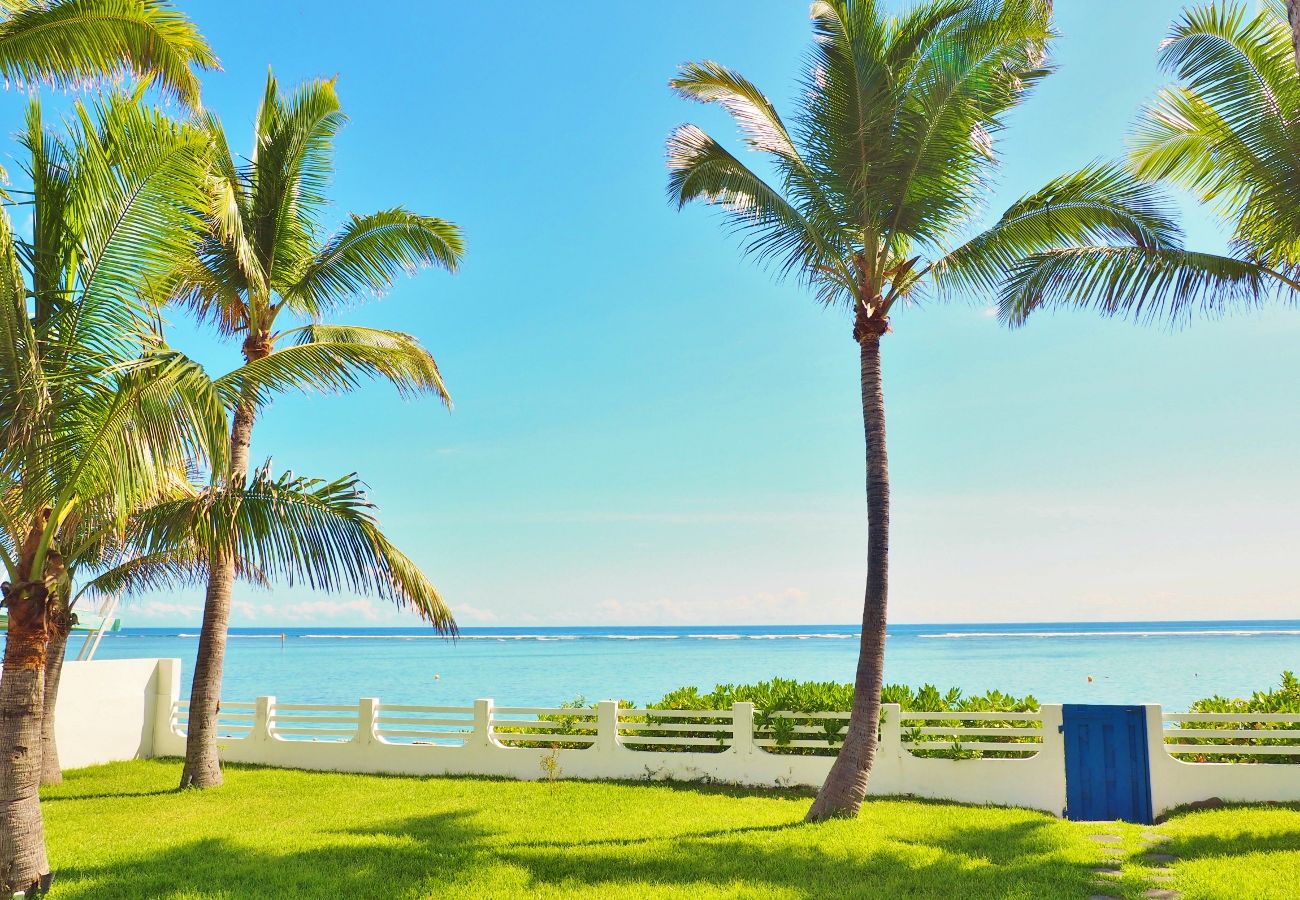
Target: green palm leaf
68,42
1148,284
301,530
368,252
333,359
1103,204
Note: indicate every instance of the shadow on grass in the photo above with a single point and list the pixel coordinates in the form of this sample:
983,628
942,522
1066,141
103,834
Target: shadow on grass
107,795
436,849
431,855
1231,839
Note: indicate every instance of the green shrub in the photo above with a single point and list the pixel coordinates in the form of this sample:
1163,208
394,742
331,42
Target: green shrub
774,702
1285,698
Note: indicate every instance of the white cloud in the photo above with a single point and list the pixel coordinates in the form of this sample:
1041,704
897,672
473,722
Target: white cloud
152,610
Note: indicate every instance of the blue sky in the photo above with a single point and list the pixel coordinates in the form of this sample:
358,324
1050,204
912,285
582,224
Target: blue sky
649,430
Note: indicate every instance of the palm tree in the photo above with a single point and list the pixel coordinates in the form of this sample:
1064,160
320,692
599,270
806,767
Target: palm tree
1228,132
94,415
288,528
67,43
263,258
887,160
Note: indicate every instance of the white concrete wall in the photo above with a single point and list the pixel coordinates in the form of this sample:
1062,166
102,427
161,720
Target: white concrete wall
1176,783
107,709
1037,782
124,709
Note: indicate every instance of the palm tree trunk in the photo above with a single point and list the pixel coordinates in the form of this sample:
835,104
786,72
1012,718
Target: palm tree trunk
60,626
1293,15
202,763
846,784
23,862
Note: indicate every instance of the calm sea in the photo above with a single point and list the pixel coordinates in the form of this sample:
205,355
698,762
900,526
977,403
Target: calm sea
1172,663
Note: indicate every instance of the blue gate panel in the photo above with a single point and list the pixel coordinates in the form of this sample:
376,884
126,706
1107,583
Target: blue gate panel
1107,773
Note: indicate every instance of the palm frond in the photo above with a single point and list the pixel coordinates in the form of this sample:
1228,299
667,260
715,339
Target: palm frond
368,252
952,97
759,122
702,169
332,359
69,42
300,530
125,437
162,571
1146,284
290,168
1230,131
1102,204
137,188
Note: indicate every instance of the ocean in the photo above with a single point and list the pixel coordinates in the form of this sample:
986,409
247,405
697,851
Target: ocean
1172,663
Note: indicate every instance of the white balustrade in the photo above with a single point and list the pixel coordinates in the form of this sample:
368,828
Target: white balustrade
1010,758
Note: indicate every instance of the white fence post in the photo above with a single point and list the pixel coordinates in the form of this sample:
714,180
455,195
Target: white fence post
263,709
166,694
482,736
607,725
891,729
367,721
742,728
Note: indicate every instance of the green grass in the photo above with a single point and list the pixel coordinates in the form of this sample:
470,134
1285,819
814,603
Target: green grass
123,831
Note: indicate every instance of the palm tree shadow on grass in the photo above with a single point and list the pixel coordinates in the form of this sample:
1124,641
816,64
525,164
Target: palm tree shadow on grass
436,850
1016,860
1190,847
430,855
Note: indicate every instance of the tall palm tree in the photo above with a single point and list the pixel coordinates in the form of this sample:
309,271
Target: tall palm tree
93,413
67,43
264,258
884,165
1229,132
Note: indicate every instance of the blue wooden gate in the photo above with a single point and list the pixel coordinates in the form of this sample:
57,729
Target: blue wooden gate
1107,774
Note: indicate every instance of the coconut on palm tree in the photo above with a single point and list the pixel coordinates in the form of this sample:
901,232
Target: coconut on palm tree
879,173
1228,131
264,261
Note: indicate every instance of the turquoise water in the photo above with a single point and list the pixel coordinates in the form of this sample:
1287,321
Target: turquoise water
1172,663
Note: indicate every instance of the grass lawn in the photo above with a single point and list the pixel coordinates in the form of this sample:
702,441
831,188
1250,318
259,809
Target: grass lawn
123,831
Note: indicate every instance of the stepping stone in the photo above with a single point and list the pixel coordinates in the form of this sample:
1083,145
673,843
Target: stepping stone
1104,838
1160,858
1153,836
1162,894
1109,873
1162,877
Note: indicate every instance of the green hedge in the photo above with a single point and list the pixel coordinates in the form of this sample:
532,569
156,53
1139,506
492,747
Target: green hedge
782,695
1285,698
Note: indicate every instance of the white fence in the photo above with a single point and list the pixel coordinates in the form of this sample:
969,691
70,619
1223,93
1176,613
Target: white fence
1185,766
1007,758
735,746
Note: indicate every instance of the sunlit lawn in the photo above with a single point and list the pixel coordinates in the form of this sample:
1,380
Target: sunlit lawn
123,831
